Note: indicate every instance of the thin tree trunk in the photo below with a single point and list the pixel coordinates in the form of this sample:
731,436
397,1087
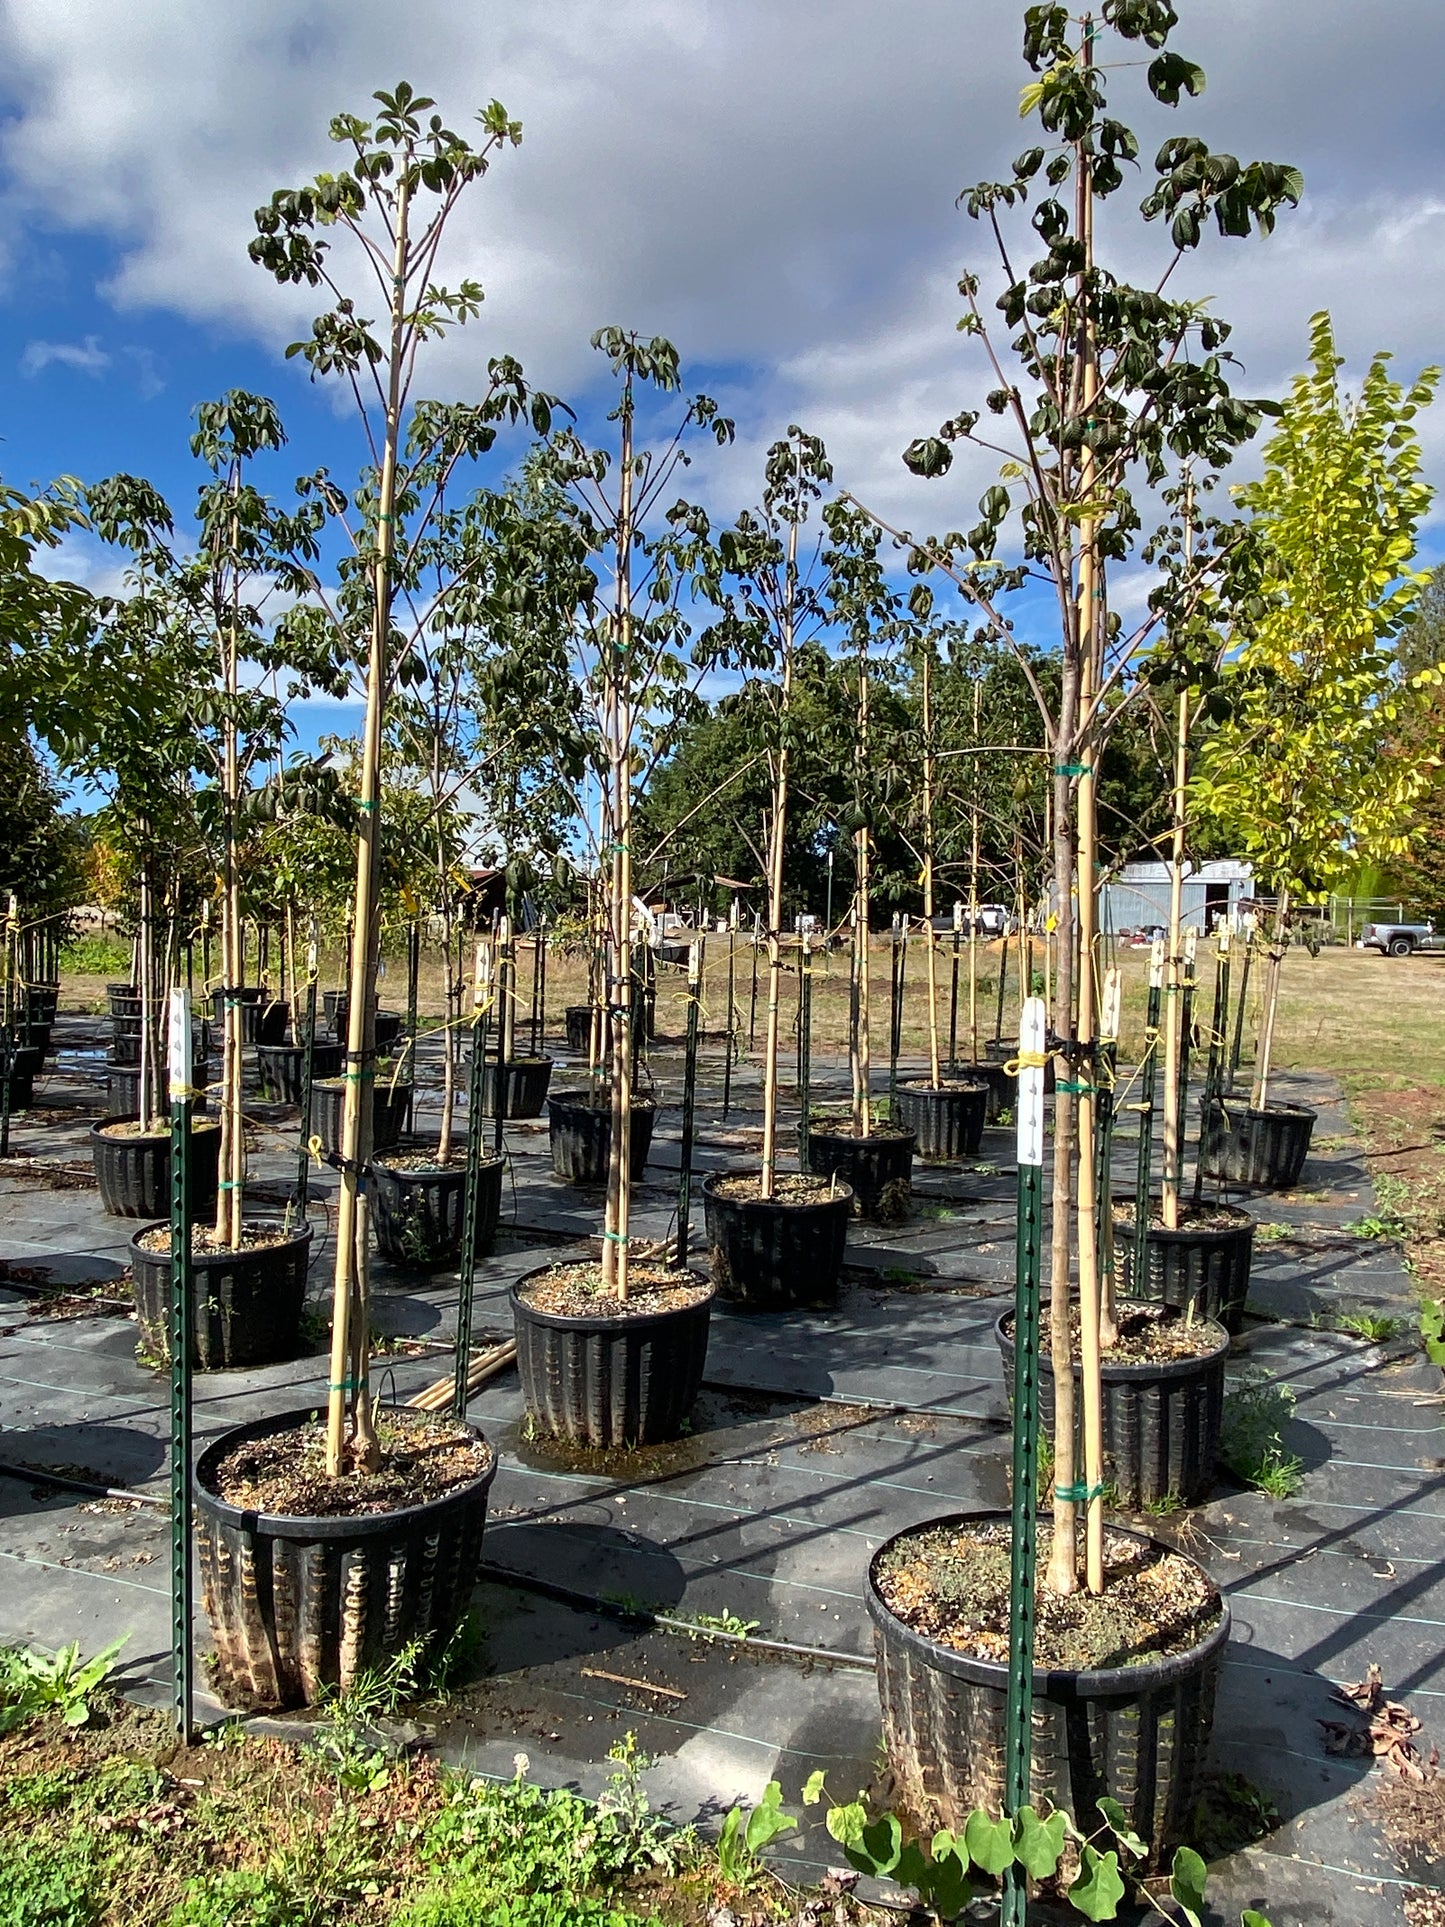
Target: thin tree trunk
775,886
862,910
619,724
1174,981
935,1074
351,1308
1275,960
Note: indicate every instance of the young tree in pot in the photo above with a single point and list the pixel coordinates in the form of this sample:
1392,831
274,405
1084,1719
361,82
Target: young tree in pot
611,1353
1109,384
948,1115
399,1497
1305,777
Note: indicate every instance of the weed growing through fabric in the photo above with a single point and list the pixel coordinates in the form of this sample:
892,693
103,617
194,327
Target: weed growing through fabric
1256,1411
701,1625
1374,1327
1385,1224
1166,1503
33,1683
1432,1330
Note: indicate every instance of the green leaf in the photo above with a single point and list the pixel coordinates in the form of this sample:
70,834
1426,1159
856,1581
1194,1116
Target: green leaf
813,1788
1099,1889
948,1890
1186,1884
1038,1843
880,1845
768,1819
990,1842
1121,1828
1249,1918
846,1824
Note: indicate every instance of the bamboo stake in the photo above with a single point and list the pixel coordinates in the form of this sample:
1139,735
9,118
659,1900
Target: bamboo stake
1174,977
350,1315
483,1366
619,720
973,890
1109,1012
862,1040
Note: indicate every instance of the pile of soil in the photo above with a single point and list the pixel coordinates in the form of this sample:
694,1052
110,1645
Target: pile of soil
1192,1217
254,1237
575,1291
951,1584
789,1187
1148,1334
423,1457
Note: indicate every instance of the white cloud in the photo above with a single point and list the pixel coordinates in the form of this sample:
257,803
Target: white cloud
770,185
87,357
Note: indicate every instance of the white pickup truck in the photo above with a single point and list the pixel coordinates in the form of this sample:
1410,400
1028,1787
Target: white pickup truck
1399,939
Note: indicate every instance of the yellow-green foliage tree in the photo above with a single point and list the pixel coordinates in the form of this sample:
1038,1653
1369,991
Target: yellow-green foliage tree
1305,777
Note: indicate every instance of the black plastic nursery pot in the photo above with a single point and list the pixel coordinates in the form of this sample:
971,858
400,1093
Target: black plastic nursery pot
246,1304
389,1023
134,1172
877,1168
418,1214
1138,1734
1161,1419
282,1068
298,1605
390,1111
611,1382
33,1036
776,1254
579,1127
252,999
524,1086
24,1067
579,1026
123,1093
1203,1265
40,1003
125,1040
946,1119
1003,1086
1264,1149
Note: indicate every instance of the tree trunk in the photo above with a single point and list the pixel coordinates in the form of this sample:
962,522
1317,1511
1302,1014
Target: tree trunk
1264,1063
619,725
775,885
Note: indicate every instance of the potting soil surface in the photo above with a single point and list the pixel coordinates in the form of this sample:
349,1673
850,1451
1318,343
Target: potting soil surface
617,1595
421,1457
578,1291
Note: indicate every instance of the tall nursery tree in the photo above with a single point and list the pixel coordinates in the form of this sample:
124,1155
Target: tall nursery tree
1100,386
406,173
1313,771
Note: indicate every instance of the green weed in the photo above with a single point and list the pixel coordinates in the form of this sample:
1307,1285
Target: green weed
96,956
33,1682
1372,1326
699,1625
1256,1412
1432,1330
46,1884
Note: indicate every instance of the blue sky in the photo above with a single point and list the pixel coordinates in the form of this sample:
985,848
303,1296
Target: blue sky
771,186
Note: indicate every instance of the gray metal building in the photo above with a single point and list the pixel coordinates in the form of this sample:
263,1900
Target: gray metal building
1138,897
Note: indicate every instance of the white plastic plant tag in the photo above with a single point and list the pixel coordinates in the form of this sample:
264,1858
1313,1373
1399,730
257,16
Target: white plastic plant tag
1032,1027
694,965
178,1045
1113,998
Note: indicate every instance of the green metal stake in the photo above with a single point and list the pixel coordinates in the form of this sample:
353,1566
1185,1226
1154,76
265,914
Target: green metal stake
181,1340
1107,1063
689,1095
1148,1085
1018,1727
1002,984
504,989
805,1048
481,1005
308,1078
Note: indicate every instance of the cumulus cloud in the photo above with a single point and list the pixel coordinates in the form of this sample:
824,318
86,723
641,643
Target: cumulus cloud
87,357
772,186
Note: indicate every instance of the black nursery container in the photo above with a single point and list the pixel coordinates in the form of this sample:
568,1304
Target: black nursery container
524,1086
1138,1734
247,1303
389,1023
134,1172
946,1120
611,1382
39,1004
123,1093
25,1064
579,1129
1161,1420
878,1168
390,1112
776,1254
418,1215
300,1605
1264,1149
1200,1266
283,1068
579,1027
252,998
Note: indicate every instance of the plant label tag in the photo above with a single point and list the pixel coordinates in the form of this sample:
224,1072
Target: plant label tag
1032,1029
178,1045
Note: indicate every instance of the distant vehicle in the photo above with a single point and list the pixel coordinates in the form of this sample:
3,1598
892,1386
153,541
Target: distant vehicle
994,920
1399,939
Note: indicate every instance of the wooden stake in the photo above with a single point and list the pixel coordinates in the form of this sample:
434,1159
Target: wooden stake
935,1076
775,883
